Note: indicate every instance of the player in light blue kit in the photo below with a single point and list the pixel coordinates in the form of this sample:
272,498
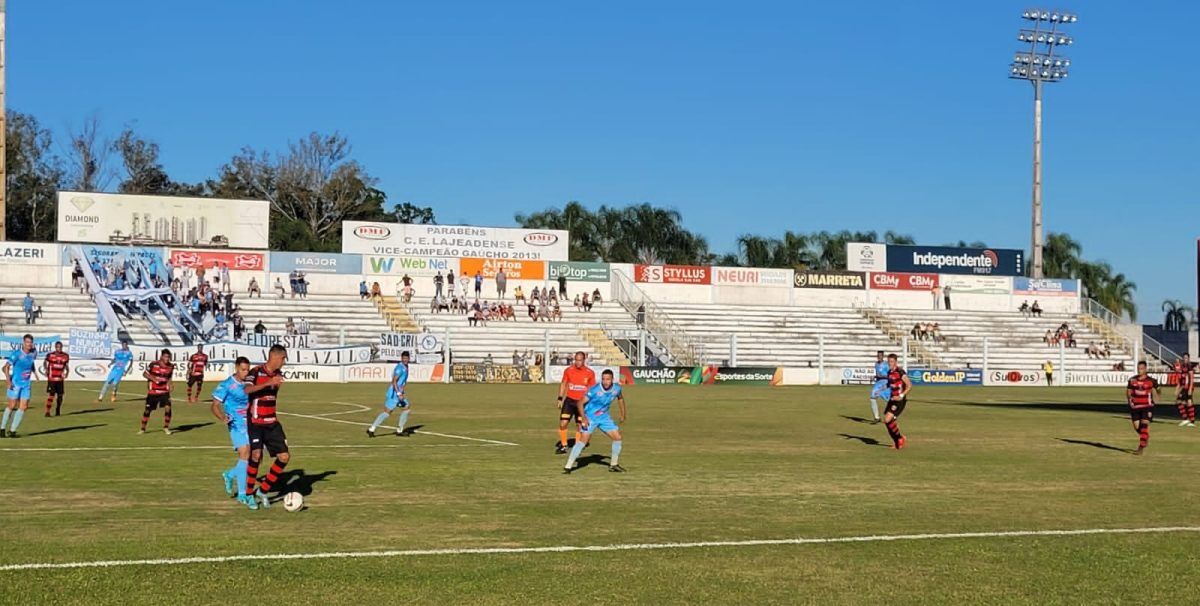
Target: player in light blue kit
396,398
593,414
120,366
880,390
230,403
18,376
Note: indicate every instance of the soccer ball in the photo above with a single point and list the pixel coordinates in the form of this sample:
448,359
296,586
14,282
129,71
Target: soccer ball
293,501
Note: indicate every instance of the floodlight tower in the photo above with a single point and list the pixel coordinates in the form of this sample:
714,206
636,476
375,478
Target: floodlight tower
1040,63
3,130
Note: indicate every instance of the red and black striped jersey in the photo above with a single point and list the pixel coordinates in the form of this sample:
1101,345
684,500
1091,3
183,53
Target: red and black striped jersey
262,404
895,379
1185,376
160,377
196,364
56,365
1141,391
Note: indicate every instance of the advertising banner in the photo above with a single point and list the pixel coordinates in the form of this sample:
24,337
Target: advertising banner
746,375
43,345
977,285
1046,287
89,370
946,377
408,240
890,281
672,274
751,276
495,373
859,375
162,220
315,263
1029,378
106,254
1100,379
700,375
309,341
87,344
579,271
515,270
866,257
382,373
29,253
848,280
952,260
228,351
556,373
413,266
392,344
235,260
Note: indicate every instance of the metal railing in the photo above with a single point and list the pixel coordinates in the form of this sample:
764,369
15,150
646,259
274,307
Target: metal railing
1149,345
655,321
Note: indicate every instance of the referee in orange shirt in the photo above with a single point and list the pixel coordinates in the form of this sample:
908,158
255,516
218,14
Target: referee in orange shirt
577,380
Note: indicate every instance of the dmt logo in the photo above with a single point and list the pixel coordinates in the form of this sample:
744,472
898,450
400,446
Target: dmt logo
82,203
540,238
885,280
372,232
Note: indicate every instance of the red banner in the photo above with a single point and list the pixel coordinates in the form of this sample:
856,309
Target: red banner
895,281
672,274
235,260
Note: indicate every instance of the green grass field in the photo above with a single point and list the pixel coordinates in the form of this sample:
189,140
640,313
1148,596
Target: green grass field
705,464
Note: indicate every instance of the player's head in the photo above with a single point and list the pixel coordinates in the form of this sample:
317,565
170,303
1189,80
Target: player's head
580,359
1141,367
58,346
125,345
404,357
165,355
879,355
199,348
606,379
241,367
27,342
893,361
276,356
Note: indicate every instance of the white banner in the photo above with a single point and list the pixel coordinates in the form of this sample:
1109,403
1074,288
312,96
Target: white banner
1026,378
382,373
801,376
422,346
87,344
229,351
866,257
408,240
751,276
976,285
556,373
412,266
859,375
29,253
162,220
1103,378
309,341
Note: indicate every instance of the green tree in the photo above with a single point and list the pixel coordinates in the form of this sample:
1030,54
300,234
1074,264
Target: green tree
142,173
33,176
1178,316
411,213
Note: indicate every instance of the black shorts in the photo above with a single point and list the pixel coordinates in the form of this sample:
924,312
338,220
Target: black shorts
1138,415
271,436
1183,396
194,379
570,410
896,407
153,401
57,388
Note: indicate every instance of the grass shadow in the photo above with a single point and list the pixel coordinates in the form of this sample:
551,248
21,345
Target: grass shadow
859,420
408,431
863,439
189,427
592,459
298,481
89,411
47,432
1119,409
1099,445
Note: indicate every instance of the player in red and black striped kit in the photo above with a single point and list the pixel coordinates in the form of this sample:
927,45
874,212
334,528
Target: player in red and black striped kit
1141,392
56,367
1185,387
900,385
196,365
158,390
263,383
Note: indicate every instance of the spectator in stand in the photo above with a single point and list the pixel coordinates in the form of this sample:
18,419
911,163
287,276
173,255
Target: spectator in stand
253,288
289,328
1049,338
406,280
556,312
226,283
935,331
1024,308
376,291
302,328
450,282
641,315
260,328
1036,310
239,327
294,282
279,287
596,300
532,310
587,302
578,303
1092,351
516,358
475,318
1107,351
439,282
535,295
501,283
478,284
518,294
302,279
946,297
76,275
27,307
936,292
464,283
916,331
363,293
562,286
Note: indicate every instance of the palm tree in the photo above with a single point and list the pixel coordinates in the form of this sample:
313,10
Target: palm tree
1061,256
1178,316
1116,294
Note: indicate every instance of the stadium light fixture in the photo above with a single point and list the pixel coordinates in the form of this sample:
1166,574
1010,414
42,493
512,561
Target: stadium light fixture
1037,64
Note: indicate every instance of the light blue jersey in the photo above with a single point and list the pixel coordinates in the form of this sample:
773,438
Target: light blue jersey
881,389
120,363
396,398
22,364
599,401
231,393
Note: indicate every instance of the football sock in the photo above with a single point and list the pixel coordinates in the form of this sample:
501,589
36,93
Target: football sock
379,420
50,403
58,405
1191,412
145,417
239,477
616,452
4,423
893,431
167,415
251,476
562,437
1182,410
1143,434
273,475
874,409
403,420
16,419
103,390
578,435
575,452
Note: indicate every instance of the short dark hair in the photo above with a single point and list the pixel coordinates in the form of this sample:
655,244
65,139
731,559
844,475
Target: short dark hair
165,352
277,348
27,336
879,353
404,354
1142,363
893,357
60,343
241,360
607,373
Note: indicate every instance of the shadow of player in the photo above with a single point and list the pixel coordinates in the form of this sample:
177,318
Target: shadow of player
408,431
296,480
592,459
189,427
1099,445
863,439
858,420
88,411
47,432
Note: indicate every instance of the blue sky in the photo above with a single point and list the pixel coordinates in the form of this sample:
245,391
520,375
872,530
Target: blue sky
748,117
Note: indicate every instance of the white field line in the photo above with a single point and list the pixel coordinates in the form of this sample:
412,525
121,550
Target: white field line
358,408
420,431
300,446
594,548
